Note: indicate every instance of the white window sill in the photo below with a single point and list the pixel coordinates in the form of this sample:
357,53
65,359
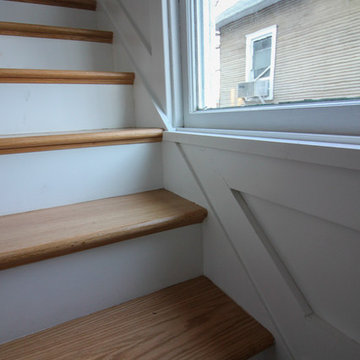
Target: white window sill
329,150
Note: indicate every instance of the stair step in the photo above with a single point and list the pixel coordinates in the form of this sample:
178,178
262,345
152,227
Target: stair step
78,139
193,320
77,4
29,13
54,32
34,76
46,233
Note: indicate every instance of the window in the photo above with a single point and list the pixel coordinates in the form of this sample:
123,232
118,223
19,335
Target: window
260,66
272,65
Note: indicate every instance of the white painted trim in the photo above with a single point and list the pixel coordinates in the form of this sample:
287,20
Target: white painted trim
279,136
250,39
173,63
338,118
273,253
188,52
323,153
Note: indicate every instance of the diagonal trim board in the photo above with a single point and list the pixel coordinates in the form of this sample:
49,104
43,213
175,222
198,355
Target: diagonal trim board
79,139
77,4
273,253
42,234
21,76
54,32
193,320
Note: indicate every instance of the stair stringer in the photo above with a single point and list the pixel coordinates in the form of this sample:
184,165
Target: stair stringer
156,98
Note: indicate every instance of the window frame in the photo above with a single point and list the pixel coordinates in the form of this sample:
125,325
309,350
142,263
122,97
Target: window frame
270,31
310,118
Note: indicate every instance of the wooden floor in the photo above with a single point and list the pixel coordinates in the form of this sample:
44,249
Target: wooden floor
189,321
42,234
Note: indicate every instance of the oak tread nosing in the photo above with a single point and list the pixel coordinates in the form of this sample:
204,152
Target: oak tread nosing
76,4
193,320
65,77
67,229
54,32
71,140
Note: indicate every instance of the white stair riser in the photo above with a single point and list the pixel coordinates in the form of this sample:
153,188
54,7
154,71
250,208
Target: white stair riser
27,108
43,294
47,15
38,180
38,53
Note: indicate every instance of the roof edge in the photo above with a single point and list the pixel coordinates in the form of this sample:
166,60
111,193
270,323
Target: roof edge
239,11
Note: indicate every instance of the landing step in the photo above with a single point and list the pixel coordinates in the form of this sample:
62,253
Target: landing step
78,139
193,320
64,77
46,233
77,4
54,32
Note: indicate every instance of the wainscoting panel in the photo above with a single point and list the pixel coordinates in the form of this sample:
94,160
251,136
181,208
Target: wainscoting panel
295,227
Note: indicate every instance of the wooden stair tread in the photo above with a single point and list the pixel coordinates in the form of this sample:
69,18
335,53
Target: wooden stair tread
77,4
78,139
41,234
193,320
65,77
54,32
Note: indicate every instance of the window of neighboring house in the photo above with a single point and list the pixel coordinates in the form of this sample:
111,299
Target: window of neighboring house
231,78
260,66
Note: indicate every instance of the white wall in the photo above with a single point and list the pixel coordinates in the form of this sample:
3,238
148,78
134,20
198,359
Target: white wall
287,248
35,53
61,177
139,36
31,108
46,15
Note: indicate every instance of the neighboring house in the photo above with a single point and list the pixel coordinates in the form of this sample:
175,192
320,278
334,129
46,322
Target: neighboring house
296,49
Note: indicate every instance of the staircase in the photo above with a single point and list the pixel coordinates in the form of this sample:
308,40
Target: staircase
84,222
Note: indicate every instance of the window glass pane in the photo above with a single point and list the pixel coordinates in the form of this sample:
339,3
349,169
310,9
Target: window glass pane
261,52
261,57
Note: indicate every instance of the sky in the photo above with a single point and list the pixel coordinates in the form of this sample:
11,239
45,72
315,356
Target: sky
222,5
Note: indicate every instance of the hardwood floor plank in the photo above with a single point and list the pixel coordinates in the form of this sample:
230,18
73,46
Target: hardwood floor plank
193,320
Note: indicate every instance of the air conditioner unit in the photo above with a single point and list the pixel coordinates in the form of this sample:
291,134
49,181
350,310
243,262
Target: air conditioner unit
249,89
